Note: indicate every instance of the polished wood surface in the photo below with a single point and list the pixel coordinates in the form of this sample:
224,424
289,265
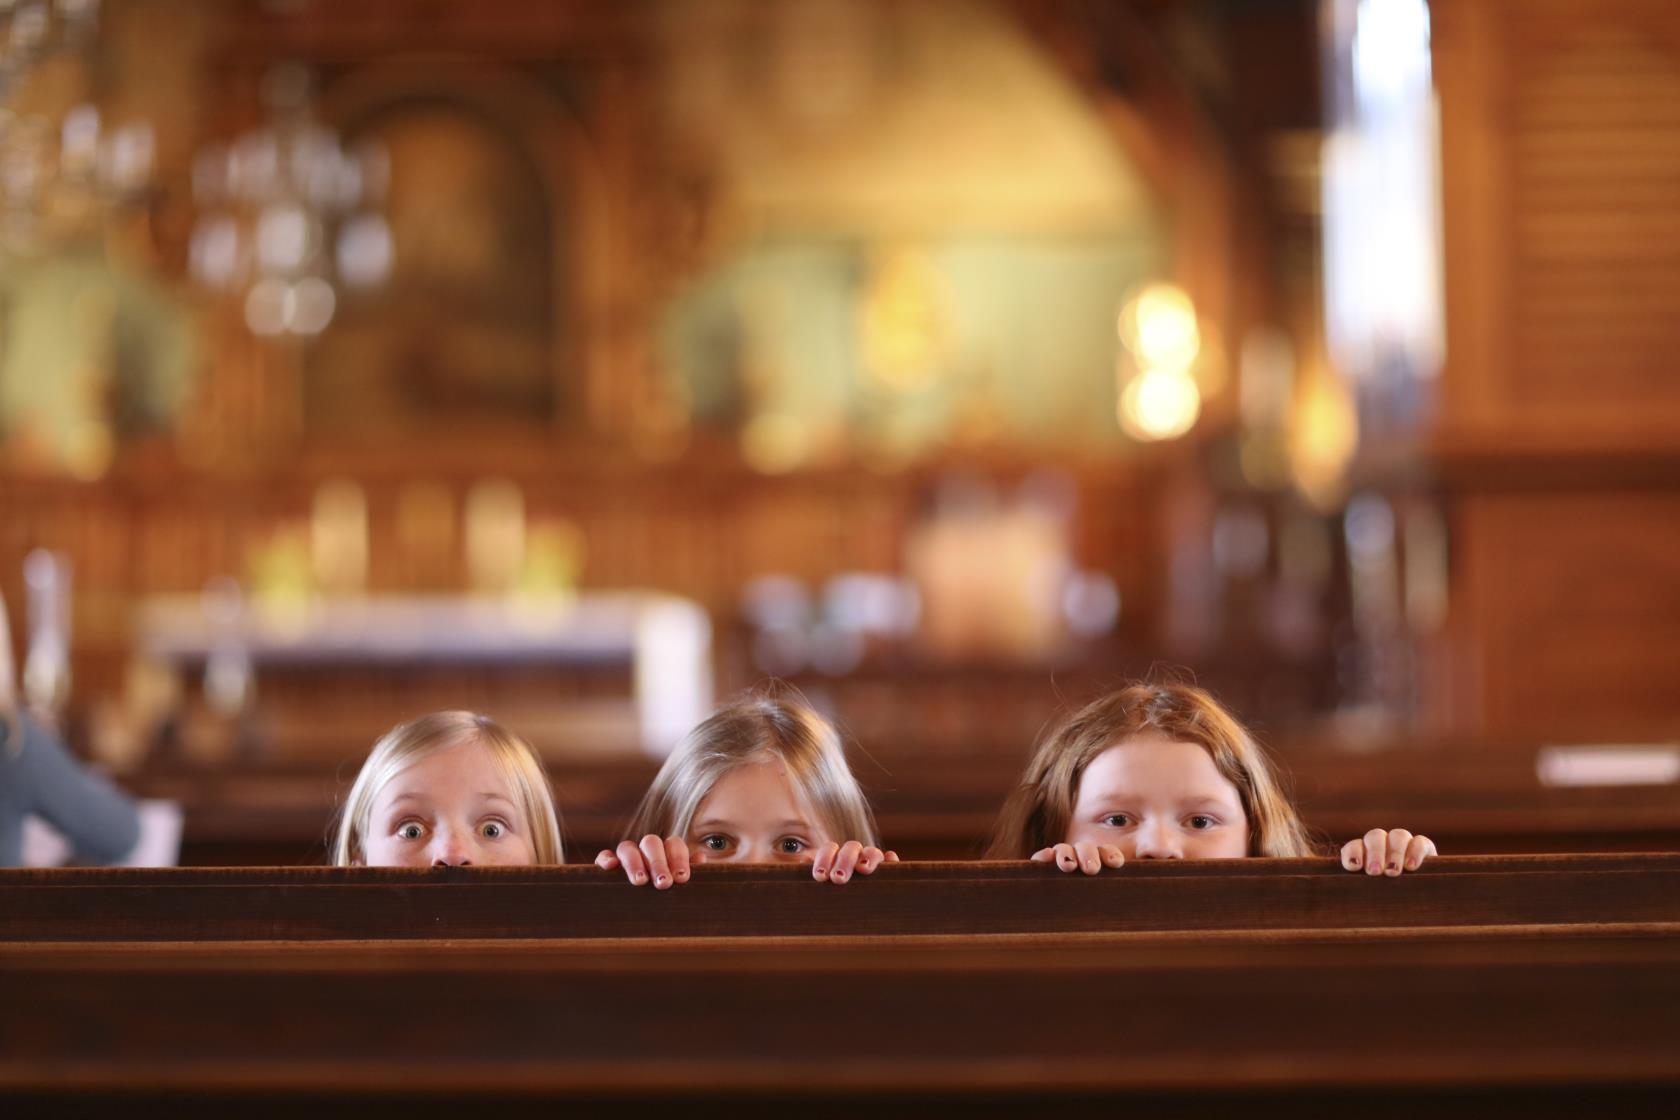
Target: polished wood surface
567,903
1579,1011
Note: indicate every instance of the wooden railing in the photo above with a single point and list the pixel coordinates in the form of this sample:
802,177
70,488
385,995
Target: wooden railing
1549,984
583,903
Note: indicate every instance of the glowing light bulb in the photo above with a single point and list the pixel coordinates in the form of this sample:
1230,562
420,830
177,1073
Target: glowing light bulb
1160,404
1159,326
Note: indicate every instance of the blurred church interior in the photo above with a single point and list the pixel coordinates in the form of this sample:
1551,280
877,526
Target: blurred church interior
952,360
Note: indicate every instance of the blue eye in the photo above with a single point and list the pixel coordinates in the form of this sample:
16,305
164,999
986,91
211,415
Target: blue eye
492,830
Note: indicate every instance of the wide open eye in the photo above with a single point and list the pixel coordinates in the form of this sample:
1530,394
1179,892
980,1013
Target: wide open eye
715,842
411,830
791,845
1201,822
492,830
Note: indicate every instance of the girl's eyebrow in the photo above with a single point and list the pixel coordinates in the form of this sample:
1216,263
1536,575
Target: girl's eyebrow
488,795
714,822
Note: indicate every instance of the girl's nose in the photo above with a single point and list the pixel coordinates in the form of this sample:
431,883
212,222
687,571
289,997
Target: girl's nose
757,853
1156,841
450,851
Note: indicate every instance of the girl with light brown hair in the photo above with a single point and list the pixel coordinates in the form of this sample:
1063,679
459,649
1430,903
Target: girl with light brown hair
449,789
1162,771
763,780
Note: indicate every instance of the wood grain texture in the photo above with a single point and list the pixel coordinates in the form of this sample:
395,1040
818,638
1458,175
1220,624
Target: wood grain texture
371,1018
1561,161
1557,440
961,898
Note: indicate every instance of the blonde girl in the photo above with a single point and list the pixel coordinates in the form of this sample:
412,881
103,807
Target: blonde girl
763,780
449,789
1162,771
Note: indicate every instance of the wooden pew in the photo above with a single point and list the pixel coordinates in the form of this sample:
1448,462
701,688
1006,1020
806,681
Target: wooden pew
1437,1022
565,903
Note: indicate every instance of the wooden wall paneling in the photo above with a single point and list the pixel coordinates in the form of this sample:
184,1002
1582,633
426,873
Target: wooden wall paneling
1575,601
1561,160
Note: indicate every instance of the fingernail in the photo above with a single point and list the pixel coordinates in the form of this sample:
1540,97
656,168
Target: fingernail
1091,865
682,876
1353,863
638,879
1411,865
820,873
661,881
839,876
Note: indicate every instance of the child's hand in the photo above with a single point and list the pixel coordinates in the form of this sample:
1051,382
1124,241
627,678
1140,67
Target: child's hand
664,861
837,862
1085,856
1389,852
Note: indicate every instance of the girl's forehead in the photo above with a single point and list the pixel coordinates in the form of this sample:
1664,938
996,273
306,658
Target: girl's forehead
1154,764
463,767
758,786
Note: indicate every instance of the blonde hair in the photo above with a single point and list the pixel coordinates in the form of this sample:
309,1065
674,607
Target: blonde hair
407,743
1039,811
763,726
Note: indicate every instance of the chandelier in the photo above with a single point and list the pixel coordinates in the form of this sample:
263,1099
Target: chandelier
288,217
60,168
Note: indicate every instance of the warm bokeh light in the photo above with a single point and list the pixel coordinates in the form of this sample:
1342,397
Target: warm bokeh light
1159,326
774,444
1160,404
902,321
1323,437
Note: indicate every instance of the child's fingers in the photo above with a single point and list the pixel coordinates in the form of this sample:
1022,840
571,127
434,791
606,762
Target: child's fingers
1043,855
1112,856
845,862
605,860
1398,838
871,858
1376,851
892,856
630,858
1353,854
1066,859
1420,849
825,860
653,850
676,851
1090,860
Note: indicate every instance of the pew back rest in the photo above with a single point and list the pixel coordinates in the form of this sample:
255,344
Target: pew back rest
899,899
